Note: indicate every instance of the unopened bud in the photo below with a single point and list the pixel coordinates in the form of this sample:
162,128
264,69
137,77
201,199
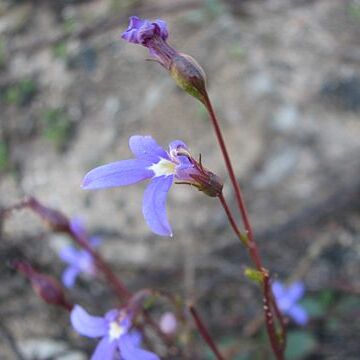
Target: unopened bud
45,286
189,75
254,275
54,218
209,183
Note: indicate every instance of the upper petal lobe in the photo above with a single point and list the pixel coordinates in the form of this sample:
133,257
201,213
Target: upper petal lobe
146,148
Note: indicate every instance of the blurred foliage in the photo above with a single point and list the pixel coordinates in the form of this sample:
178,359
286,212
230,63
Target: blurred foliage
2,54
211,9
354,11
60,50
238,52
4,156
20,93
317,306
123,4
57,127
299,344
69,25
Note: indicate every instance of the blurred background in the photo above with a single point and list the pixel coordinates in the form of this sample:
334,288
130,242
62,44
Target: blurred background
284,77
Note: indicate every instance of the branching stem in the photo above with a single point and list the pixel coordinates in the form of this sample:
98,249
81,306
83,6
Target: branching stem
271,311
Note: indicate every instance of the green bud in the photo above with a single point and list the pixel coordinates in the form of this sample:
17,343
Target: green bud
254,275
189,75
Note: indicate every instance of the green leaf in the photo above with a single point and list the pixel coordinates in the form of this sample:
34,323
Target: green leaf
299,344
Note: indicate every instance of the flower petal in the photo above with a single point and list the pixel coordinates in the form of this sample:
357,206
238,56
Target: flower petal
298,314
120,173
278,289
154,205
135,338
296,291
146,148
95,241
176,144
135,23
86,324
69,254
105,350
69,276
140,30
77,226
129,350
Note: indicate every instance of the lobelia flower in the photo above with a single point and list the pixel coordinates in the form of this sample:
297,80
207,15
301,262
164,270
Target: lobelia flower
79,260
186,72
287,298
162,167
118,340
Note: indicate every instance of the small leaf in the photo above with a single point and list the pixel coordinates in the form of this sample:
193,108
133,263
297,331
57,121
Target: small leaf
254,275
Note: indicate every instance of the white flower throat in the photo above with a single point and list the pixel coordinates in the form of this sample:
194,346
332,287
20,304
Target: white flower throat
163,167
115,330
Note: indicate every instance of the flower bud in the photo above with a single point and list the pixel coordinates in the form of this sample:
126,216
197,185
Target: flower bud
189,75
45,286
209,183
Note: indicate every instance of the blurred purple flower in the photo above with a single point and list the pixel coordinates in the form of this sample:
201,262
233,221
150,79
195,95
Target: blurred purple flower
114,329
287,298
79,260
168,323
162,167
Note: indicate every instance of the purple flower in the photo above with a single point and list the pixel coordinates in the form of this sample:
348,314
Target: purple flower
115,330
141,31
162,167
185,70
287,298
80,261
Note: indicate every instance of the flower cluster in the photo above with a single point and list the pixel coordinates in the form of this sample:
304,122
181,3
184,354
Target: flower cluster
118,340
163,168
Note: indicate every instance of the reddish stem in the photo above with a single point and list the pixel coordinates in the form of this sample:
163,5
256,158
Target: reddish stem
269,302
118,286
204,333
238,195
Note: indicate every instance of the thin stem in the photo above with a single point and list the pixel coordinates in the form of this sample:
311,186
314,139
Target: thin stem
238,195
204,332
269,301
118,286
243,238
270,305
